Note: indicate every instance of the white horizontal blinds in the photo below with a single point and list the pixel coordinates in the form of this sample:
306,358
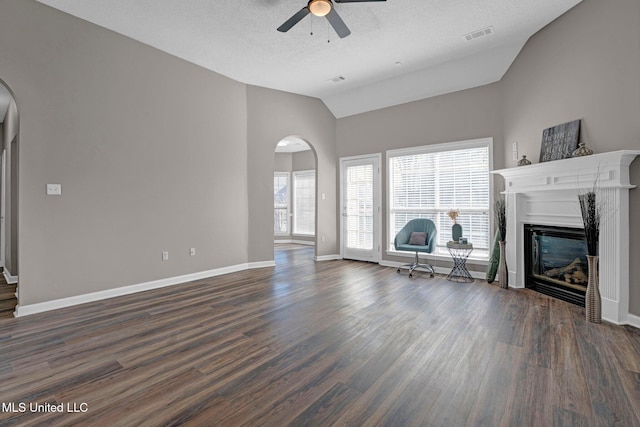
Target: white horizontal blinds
304,197
280,203
413,190
429,184
464,185
359,206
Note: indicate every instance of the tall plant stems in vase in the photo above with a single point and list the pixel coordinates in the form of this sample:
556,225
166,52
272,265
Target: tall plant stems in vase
500,209
591,216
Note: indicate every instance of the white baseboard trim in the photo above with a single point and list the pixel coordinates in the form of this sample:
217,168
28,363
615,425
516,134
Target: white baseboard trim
26,310
481,275
8,277
633,320
327,257
303,242
261,264
297,242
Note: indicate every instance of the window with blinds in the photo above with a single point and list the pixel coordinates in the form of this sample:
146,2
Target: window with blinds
281,203
427,182
304,202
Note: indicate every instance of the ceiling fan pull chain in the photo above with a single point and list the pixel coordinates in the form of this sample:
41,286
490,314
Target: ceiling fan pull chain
328,34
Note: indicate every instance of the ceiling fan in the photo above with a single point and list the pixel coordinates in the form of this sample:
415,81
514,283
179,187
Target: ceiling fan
322,8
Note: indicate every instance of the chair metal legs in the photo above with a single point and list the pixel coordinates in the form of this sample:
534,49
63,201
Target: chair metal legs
417,264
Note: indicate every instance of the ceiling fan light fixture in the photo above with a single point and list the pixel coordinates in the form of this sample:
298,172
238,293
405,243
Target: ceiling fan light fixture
319,7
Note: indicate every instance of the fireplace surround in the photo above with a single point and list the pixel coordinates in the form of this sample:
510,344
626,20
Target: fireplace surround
546,194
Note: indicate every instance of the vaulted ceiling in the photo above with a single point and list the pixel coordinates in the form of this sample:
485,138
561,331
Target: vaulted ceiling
398,50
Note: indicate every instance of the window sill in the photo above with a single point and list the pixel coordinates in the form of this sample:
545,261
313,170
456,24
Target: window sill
477,257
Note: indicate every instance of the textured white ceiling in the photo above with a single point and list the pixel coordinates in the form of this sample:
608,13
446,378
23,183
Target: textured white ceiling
398,50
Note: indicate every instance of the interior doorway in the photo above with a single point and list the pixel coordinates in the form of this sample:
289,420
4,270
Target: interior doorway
9,125
294,193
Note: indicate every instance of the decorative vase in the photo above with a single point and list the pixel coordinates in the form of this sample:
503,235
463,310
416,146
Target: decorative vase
582,150
456,232
593,302
502,266
524,161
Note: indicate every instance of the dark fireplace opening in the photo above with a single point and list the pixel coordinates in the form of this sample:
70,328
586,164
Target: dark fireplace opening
556,262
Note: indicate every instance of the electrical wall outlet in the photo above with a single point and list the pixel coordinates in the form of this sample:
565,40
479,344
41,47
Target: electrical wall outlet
192,251
165,256
54,189
515,151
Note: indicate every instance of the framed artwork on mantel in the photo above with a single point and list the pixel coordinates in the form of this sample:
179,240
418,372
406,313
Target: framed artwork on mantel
559,142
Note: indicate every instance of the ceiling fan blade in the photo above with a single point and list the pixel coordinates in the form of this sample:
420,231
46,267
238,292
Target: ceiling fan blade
355,1
294,20
338,24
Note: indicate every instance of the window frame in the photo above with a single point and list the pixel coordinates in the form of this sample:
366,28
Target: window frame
295,213
288,207
435,148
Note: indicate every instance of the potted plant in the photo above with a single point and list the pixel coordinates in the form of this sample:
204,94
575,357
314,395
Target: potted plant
500,212
456,229
591,216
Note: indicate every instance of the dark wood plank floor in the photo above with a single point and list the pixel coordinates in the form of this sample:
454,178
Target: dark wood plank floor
329,343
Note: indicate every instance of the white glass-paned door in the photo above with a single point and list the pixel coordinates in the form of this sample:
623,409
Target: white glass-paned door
360,208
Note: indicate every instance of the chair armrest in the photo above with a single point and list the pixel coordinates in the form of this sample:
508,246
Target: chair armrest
402,238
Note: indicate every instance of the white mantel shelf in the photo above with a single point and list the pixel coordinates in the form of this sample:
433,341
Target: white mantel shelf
546,194
573,173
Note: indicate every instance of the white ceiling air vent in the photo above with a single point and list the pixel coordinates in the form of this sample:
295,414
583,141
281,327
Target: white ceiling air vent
337,79
479,33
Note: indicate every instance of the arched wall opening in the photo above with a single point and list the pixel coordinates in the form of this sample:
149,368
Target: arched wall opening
295,192
9,151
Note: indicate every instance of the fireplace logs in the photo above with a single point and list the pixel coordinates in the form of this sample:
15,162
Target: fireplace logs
573,273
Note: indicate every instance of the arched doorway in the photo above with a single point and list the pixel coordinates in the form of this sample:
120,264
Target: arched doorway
9,125
295,198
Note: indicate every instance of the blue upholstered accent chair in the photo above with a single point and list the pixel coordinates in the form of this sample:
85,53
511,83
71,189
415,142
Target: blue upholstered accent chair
417,242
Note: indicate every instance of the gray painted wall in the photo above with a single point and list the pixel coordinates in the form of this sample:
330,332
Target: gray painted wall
585,65
145,145
274,115
469,114
298,161
147,148
283,162
303,161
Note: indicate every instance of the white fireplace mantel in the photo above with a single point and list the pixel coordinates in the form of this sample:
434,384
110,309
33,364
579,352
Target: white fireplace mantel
547,194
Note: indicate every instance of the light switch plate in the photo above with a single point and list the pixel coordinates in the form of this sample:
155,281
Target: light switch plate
54,189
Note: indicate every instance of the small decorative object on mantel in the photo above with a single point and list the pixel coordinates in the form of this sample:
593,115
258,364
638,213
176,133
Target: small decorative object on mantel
559,142
591,220
524,161
582,150
501,222
456,230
